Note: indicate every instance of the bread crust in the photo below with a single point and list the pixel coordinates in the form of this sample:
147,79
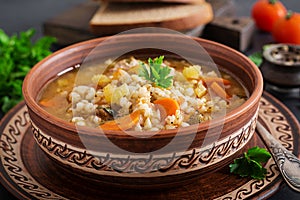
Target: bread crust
181,22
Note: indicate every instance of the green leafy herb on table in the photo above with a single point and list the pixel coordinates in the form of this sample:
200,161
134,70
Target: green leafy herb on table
18,54
157,74
257,58
251,163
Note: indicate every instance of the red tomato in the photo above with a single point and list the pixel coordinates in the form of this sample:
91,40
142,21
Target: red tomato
266,12
287,29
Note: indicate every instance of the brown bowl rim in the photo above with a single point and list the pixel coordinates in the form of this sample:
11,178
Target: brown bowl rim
253,98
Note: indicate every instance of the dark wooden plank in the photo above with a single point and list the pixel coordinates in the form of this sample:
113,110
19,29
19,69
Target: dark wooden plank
72,25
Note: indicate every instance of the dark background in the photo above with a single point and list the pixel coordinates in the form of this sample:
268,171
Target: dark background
17,15
20,15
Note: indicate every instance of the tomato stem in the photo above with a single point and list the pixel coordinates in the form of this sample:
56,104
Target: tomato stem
289,15
272,1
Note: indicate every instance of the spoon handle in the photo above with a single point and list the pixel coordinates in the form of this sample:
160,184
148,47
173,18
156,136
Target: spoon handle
288,163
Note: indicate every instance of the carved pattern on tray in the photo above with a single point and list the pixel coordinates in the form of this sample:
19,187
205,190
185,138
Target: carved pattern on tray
12,161
271,115
138,166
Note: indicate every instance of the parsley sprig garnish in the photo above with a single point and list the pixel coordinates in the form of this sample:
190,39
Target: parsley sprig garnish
251,163
156,73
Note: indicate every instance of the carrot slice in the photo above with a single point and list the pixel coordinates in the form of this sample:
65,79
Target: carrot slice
122,123
219,90
169,105
47,103
210,80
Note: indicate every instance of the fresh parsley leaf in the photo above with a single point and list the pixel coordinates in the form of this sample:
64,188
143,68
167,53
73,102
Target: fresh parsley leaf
240,167
156,73
143,72
260,155
251,163
257,171
257,58
266,46
18,54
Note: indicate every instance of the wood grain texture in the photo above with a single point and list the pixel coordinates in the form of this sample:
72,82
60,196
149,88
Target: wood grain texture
115,17
72,25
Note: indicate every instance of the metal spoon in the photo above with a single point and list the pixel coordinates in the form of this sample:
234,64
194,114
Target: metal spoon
288,163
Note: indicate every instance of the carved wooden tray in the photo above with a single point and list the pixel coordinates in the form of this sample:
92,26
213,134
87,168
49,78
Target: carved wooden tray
29,174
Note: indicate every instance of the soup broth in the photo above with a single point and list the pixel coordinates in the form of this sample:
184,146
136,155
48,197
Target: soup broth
133,94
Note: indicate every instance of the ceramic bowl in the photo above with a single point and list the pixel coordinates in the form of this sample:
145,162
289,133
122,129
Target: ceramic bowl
144,163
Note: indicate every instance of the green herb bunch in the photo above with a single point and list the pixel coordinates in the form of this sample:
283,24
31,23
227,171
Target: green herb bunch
18,54
257,58
156,73
251,163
